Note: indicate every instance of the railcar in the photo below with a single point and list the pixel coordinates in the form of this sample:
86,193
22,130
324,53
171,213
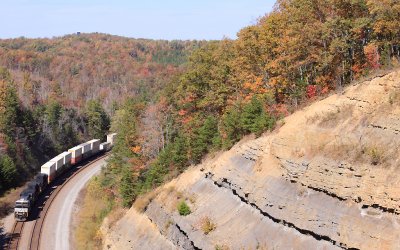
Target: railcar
55,167
28,197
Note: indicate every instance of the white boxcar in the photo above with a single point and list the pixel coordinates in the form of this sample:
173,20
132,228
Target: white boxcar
76,154
86,150
49,168
59,161
111,138
105,146
67,156
94,145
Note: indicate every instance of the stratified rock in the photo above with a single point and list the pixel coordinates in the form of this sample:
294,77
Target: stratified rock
329,178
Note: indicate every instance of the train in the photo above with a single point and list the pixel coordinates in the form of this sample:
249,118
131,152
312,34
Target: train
54,168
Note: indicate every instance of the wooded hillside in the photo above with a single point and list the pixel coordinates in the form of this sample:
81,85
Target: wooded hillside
55,93
82,67
302,49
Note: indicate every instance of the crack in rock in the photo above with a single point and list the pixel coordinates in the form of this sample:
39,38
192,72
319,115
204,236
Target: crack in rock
226,184
175,240
358,100
186,235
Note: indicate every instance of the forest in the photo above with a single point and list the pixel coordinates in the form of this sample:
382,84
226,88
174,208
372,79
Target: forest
174,102
300,51
56,93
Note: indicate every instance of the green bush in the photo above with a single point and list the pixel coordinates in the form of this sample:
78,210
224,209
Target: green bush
183,208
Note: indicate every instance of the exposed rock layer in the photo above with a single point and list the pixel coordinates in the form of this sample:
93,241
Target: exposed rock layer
329,178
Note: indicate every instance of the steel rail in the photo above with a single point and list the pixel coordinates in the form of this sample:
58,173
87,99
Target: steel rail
36,234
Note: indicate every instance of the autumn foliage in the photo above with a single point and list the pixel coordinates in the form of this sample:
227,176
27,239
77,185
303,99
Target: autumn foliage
231,88
173,102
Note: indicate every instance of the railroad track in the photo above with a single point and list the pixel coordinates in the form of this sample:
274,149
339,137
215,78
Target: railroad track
16,235
42,212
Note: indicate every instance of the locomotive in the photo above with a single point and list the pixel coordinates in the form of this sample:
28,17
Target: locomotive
53,168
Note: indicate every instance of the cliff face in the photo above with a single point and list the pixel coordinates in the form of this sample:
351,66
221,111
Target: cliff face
329,178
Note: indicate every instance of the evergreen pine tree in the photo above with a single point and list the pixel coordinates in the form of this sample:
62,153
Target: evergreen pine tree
127,187
204,138
97,119
231,128
8,172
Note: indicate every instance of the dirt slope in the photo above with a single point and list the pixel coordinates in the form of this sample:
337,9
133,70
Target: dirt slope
329,178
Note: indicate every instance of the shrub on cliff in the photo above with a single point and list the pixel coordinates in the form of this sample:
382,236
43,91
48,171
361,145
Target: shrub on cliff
183,208
207,226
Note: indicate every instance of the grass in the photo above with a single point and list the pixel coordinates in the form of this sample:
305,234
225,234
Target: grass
192,198
394,97
207,226
96,206
168,224
376,155
332,118
221,247
144,200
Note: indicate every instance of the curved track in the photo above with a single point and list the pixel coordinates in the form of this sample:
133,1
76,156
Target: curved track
44,204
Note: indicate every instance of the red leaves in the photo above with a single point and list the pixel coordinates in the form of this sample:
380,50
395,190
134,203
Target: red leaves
311,91
372,55
279,110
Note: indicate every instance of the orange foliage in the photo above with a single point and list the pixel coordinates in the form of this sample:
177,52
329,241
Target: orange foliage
372,55
187,120
182,112
257,87
136,149
357,70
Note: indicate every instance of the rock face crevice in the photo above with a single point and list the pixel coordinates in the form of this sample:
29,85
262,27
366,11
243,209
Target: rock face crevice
294,171
185,234
224,183
167,227
328,178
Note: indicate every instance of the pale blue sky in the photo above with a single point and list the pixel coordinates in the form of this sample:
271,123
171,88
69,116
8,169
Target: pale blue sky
157,19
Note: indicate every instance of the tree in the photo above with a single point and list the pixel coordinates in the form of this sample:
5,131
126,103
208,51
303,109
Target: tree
9,105
231,127
98,121
254,118
179,153
53,113
8,172
204,138
127,187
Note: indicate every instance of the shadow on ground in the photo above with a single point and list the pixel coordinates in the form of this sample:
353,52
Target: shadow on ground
2,238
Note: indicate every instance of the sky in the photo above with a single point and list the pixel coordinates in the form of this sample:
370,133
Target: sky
153,19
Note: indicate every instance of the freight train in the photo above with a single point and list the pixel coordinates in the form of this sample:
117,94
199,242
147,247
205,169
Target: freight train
54,168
